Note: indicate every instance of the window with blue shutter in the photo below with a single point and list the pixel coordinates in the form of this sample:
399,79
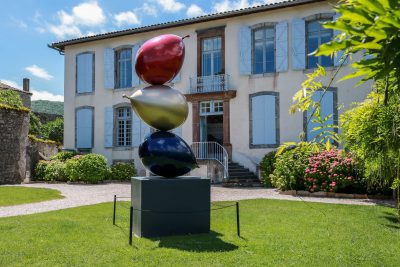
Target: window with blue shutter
264,120
316,36
328,111
84,128
338,58
108,126
245,50
123,68
109,70
281,39
123,126
264,50
85,73
298,44
135,77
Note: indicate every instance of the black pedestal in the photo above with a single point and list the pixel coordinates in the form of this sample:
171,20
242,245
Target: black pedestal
170,206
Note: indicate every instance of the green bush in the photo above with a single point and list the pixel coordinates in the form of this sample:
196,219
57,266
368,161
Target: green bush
55,171
34,125
40,169
267,168
333,171
64,155
290,167
54,130
91,168
122,171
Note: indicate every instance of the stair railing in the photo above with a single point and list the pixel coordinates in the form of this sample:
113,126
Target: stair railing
211,151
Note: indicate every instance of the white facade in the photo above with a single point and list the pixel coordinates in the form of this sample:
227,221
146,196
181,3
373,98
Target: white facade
284,83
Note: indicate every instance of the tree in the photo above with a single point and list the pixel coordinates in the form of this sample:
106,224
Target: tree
54,130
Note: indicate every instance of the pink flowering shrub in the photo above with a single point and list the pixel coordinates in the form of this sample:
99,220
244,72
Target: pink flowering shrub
331,171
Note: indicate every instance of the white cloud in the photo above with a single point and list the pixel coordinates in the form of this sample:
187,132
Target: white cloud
44,95
39,72
194,11
11,83
227,5
171,6
126,18
149,9
87,14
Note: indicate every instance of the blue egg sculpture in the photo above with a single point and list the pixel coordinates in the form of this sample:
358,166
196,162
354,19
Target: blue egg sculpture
166,154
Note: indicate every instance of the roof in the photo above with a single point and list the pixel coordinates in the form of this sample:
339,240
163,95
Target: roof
60,46
4,86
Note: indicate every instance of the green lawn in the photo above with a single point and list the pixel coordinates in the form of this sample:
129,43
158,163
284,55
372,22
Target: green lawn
15,195
275,233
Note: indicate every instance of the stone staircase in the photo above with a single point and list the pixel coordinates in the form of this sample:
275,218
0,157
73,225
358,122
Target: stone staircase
239,176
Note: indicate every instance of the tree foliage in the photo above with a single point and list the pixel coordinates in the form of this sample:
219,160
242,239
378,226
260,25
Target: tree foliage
54,130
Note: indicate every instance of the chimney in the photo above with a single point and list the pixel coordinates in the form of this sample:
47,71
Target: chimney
25,85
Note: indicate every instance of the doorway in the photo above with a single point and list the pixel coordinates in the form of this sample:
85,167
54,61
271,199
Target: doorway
211,129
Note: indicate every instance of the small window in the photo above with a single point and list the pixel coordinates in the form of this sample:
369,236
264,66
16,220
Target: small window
211,107
211,55
264,50
124,126
316,36
124,68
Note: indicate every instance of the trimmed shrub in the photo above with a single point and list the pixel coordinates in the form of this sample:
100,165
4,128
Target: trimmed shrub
122,171
332,171
40,169
290,167
55,171
90,168
64,155
267,168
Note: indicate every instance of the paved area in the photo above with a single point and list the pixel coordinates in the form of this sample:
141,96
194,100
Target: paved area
81,195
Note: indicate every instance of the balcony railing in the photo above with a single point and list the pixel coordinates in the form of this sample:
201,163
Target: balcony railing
207,84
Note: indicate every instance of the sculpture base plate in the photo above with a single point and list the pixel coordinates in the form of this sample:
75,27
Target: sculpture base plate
170,206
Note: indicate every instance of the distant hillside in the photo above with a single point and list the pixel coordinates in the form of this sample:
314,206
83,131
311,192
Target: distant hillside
50,107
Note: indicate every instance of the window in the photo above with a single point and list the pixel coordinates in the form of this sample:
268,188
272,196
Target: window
124,68
211,107
264,50
84,127
316,35
85,73
211,55
123,126
264,121
328,111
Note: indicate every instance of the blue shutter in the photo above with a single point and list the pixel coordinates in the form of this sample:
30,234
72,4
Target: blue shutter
245,50
136,130
109,69
281,39
84,128
177,78
135,77
264,120
337,57
270,120
298,44
108,126
327,108
84,73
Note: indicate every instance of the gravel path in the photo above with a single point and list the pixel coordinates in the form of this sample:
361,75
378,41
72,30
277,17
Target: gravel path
81,195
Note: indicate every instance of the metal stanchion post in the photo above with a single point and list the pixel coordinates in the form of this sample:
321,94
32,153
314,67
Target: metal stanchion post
115,206
237,219
130,225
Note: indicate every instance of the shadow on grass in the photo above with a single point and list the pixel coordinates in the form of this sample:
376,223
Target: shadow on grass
393,219
197,243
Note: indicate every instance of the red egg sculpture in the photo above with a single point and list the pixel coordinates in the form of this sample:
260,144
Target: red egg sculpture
160,59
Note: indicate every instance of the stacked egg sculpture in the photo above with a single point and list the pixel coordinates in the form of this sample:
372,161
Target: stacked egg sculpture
163,108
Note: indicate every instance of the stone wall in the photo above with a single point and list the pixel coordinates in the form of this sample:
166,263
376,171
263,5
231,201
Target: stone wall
210,169
33,157
14,127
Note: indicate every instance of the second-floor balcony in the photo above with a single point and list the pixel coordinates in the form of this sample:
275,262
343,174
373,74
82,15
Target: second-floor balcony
209,84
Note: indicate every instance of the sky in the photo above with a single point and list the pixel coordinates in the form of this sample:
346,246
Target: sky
28,26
